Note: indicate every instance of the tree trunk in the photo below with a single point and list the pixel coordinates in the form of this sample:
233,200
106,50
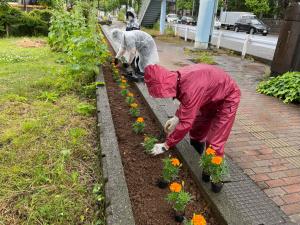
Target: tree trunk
7,30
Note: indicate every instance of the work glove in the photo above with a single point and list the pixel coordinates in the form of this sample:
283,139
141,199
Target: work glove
159,149
171,124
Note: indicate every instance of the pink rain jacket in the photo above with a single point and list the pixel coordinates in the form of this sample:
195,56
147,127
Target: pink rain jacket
209,100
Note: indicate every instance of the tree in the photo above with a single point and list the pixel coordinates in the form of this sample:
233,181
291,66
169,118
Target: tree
259,7
184,5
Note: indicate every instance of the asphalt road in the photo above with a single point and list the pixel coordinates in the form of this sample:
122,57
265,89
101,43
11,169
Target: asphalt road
258,45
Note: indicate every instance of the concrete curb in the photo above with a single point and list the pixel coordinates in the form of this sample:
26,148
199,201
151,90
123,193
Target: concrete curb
118,206
241,202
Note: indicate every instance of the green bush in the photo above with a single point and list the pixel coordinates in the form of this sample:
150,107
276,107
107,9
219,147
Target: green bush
44,14
18,23
76,33
286,87
121,15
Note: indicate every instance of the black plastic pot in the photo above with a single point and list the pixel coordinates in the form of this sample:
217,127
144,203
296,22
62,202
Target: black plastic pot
179,217
205,177
216,187
162,184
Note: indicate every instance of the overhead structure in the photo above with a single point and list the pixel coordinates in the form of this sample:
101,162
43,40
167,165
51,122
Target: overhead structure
149,12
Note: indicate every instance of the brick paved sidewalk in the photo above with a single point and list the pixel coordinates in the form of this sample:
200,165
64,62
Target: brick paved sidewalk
265,140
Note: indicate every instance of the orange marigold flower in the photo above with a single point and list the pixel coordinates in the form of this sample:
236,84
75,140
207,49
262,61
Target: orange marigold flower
217,160
210,151
140,120
175,187
198,220
123,81
130,94
175,162
134,105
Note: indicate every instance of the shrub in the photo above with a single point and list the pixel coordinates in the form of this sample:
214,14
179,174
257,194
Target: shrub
285,87
17,23
121,15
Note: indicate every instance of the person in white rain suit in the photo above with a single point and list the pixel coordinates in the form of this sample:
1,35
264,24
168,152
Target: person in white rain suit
132,23
134,43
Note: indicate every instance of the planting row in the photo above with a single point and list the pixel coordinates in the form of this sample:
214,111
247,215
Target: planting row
178,198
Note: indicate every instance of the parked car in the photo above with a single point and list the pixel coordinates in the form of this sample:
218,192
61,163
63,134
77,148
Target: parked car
187,20
252,26
172,18
217,24
228,19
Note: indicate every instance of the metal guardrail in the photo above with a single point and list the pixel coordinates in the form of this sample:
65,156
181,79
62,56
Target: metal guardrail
246,44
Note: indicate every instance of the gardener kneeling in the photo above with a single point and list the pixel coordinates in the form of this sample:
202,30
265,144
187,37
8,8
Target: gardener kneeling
209,100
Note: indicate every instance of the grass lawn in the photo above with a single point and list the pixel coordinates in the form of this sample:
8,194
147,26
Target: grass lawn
49,167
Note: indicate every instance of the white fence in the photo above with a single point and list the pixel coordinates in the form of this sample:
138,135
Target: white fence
259,46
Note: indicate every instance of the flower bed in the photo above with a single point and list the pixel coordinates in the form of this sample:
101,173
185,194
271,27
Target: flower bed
142,171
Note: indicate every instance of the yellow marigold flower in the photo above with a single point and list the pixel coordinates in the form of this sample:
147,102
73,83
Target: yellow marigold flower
210,151
123,87
175,162
146,138
140,120
217,160
130,94
175,187
198,220
134,105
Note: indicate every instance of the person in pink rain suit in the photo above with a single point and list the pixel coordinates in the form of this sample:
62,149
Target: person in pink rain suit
209,99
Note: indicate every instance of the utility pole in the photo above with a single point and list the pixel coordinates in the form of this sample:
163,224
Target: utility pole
205,17
193,8
163,16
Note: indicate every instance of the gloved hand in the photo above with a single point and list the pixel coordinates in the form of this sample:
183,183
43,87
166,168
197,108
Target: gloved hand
171,124
116,61
159,149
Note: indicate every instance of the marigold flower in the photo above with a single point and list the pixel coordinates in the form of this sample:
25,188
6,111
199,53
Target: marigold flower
130,94
146,138
123,81
140,120
175,162
134,105
210,151
123,87
217,160
175,187
198,220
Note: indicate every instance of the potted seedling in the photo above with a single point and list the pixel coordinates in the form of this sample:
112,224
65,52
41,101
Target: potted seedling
149,143
134,111
218,169
124,83
205,161
129,98
139,125
179,199
197,219
124,90
171,167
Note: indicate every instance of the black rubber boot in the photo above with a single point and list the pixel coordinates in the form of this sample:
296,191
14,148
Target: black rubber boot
198,146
